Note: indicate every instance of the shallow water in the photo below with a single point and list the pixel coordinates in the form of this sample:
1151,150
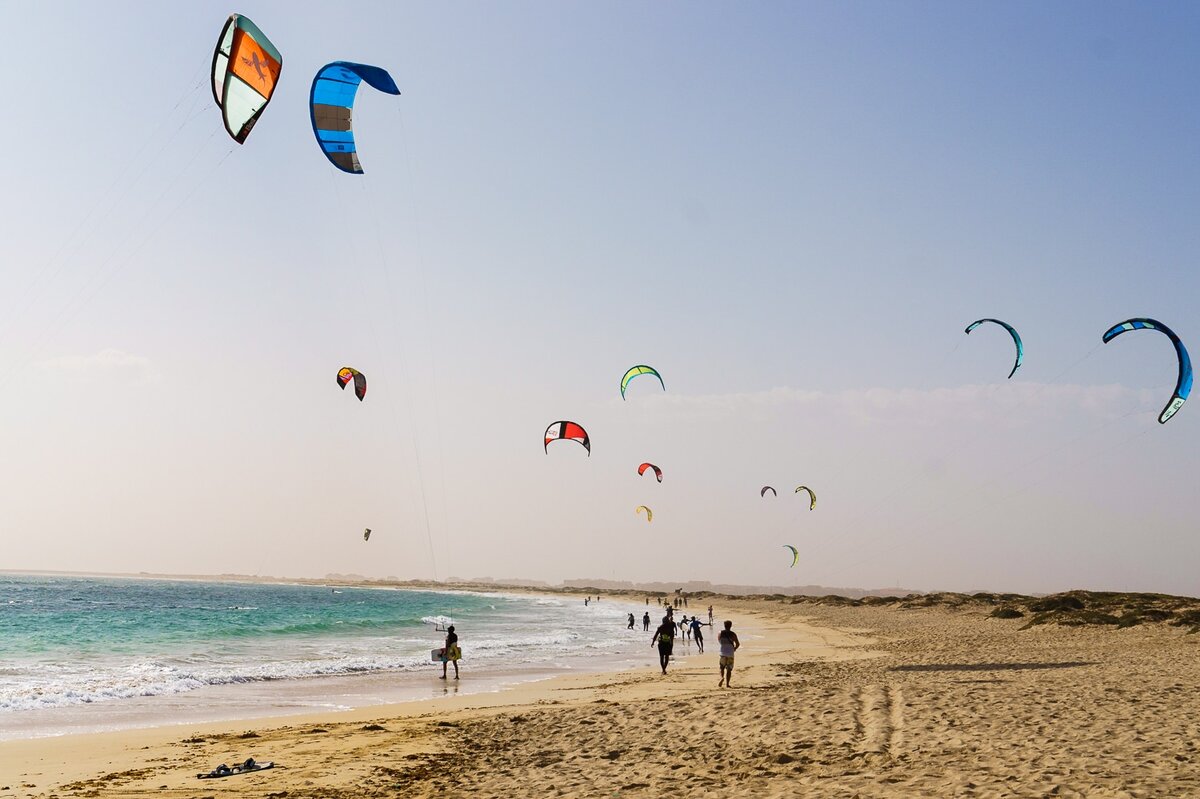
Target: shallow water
100,653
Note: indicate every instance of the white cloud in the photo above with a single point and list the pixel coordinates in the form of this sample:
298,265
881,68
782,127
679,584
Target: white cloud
107,361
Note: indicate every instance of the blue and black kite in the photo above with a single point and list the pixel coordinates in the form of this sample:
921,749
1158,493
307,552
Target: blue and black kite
1183,385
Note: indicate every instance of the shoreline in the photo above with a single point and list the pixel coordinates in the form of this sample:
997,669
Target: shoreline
234,703
54,760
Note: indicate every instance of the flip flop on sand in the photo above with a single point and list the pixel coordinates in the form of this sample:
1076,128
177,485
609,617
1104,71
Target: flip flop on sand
241,768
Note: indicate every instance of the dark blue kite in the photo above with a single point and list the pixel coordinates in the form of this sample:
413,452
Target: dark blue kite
1183,386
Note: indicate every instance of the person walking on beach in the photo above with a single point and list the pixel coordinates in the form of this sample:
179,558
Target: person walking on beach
664,638
696,625
631,621
710,615
686,630
729,642
451,653
646,622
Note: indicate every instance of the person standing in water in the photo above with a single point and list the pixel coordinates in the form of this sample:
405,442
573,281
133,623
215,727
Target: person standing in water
646,622
631,621
664,638
729,642
451,653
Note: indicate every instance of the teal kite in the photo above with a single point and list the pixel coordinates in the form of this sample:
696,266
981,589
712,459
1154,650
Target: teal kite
1012,332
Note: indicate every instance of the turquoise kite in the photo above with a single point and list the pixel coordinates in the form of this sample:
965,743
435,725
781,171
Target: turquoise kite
331,101
1183,384
1012,332
638,371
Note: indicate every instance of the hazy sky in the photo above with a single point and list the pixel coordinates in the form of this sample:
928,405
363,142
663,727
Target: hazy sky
792,210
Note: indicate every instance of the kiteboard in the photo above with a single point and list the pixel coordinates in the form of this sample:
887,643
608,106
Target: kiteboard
436,654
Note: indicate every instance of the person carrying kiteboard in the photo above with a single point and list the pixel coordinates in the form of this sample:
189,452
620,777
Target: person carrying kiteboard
450,652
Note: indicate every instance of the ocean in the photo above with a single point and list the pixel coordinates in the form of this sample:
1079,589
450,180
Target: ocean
85,654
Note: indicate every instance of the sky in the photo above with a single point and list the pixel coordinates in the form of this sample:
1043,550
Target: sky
791,210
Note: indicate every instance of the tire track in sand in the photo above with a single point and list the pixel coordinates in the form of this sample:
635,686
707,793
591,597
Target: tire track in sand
879,719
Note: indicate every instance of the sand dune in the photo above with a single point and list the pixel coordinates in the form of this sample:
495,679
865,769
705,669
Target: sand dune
828,701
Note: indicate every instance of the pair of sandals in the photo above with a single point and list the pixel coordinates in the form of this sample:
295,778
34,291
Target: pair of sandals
241,768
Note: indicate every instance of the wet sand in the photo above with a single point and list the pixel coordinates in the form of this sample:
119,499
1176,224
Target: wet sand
827,701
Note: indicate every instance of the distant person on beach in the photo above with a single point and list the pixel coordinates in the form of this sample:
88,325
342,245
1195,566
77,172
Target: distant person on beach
647,601
631,621
664,638
687,631
685,601
646,622
729,642
696,625
710,615
451,653
586,599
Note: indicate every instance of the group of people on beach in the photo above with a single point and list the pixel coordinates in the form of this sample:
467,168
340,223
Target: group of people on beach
665,635
664,639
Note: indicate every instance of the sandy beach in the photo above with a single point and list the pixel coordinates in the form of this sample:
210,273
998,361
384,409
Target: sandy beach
827,701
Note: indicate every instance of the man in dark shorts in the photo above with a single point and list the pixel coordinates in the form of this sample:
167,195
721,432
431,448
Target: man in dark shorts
664,638
729,643
646,623
631,621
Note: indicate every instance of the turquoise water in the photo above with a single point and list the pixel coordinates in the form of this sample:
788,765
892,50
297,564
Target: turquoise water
68,641
58,616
